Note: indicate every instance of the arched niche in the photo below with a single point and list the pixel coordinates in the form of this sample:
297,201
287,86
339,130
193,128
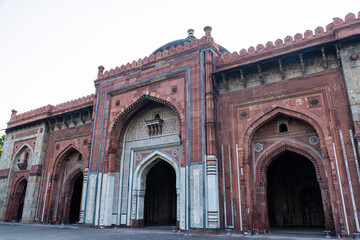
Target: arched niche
23,157
67,168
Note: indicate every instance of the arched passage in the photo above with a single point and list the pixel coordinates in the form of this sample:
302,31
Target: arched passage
302,145
293,193
75,192
160,195
17,200
66,187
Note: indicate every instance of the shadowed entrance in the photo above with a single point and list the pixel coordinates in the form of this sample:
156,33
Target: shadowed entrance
22,190
293,193
74,214
160,195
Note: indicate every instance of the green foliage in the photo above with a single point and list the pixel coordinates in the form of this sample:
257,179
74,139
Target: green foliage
2,139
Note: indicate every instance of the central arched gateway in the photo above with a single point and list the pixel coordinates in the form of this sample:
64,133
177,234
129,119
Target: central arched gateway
149,149
160,195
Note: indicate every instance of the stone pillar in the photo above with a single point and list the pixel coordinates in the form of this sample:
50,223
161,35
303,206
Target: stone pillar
212,179
32,192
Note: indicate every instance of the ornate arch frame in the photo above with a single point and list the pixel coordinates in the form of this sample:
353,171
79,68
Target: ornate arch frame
117,132
55,172
67,193
139,186
259,217
25,145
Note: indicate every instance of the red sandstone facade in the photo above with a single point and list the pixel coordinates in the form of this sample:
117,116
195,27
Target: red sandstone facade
196,137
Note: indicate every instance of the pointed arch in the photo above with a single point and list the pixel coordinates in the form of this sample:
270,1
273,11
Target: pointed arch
139,186
148,162
116,128
62,154
310,118
25,145
279,148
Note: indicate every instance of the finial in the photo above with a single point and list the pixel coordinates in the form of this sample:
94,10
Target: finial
191,33
101,70
207,31
13,113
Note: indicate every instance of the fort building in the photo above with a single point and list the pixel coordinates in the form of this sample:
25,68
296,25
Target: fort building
196,137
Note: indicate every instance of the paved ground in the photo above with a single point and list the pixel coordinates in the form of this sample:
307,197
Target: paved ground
54,232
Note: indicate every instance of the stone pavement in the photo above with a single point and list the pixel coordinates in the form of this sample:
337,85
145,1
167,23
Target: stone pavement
55,232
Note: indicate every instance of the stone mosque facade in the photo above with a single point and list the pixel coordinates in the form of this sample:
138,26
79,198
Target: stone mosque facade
196,137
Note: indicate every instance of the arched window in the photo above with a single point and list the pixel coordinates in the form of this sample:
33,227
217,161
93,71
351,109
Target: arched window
157,116
283,128
26,157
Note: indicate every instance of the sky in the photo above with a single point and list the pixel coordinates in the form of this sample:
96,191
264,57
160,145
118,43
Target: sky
50,50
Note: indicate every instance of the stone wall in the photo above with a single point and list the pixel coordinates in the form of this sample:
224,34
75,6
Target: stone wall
33,138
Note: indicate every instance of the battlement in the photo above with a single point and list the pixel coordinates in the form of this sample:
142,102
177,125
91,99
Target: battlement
309,38
49,110
158,56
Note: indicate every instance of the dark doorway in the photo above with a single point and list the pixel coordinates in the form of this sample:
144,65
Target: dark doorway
293,193
22,192
75,205
160,195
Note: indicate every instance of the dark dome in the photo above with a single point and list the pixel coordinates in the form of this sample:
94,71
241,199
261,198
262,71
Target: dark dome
182,41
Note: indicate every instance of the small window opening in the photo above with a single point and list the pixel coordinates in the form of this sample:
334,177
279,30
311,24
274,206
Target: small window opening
80,157
283,128
157,116
26,156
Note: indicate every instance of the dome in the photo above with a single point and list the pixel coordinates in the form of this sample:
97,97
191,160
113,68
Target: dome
189,38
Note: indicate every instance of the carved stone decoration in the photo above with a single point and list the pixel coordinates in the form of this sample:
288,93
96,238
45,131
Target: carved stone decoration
258,147
261,77
225,81
314,101
281,70
281,149
314,140
338,57
174,153
324,58
242,79
302,64
154,126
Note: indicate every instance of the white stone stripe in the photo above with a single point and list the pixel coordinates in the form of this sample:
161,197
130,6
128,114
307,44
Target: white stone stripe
341,190
238,179
223,175
231,191
355,154
350,184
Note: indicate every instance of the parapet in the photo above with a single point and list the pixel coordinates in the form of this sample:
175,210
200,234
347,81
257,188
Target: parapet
49,110
333,31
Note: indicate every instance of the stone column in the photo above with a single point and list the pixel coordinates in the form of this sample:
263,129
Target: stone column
32,192
212,179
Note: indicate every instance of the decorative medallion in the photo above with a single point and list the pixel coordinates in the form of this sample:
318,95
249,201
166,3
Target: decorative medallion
174,153
243,114
258,147
314,101
117,102
314,140
174,89
138,157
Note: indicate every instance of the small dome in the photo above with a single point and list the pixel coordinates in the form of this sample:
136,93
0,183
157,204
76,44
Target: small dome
189,38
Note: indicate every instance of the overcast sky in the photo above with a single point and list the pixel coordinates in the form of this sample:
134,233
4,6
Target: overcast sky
50,50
